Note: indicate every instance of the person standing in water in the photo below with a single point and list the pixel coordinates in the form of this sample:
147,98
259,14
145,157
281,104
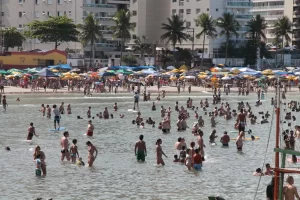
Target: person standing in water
74,151
289,190
31,132
42,157
90,129
56,116
159,153
4,102
91,157
62,108
64,143
140,149
136,101
241,121
239,141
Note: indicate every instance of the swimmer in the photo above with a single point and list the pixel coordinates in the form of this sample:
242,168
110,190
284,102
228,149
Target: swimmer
115,107
69,109
111,116
258,172
136,101
91,157
159,153
38,164
88,113
90,129
56,116
31,132
188,160
153,107
212,137
122,115
4,102
43,110
7,148
241,121
140,149
62,108
225,139
74,151
64,143
100,115
269,171
182,154
289,190
201,144
176,159
105,113
239,141
48,111
18,100
197,160
142,125
80,162
42,157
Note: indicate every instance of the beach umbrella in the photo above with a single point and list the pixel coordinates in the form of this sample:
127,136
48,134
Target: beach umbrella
235,71
183,67
123,71
107,74
170,67
271,77
226,78
173,78
46,73
3,72
14,70
268,72
54,70
190,77
102,69
175,70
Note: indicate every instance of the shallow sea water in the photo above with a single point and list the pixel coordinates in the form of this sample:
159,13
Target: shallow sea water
116,173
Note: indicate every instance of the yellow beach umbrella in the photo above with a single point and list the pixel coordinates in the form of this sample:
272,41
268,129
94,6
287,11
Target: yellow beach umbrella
271,77
268,72
181,77
54,70
235,71
183,70
290,78
175,70
173,78
183,67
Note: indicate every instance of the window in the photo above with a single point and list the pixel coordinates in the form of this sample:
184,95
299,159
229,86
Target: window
20,14
59,1
134,13
37,1
20,25
20,1
49,1
188,24
134,37
217,9
117,56
198,11
207,9
65,13
36,14
174,1
48,13
174,12
2,13
70,13
198,0
59,13
181,11
134,1
188,11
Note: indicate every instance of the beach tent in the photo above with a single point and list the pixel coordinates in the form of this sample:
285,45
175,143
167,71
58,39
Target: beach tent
46,73
61,66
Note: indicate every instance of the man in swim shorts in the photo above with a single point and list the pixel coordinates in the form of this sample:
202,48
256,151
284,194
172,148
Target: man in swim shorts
56,116
136,101
65,146
197,160
140,149
241,121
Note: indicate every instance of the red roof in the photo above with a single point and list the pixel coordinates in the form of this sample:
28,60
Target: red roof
39,53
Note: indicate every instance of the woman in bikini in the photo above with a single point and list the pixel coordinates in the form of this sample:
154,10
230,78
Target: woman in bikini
91,149
42,158
90,129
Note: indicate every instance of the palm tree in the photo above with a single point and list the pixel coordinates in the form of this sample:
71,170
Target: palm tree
229,25
141,46
122,28
282,28
91,30
174,32
257,25
208,25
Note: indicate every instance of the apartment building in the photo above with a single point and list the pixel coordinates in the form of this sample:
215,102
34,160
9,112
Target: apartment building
292,10
271,10
18,13
106,48
148,17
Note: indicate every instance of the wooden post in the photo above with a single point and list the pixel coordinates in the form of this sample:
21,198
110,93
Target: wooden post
282,176
276,181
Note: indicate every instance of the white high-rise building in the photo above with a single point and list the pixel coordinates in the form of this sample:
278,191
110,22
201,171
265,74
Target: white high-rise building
189,10
18,13
271,10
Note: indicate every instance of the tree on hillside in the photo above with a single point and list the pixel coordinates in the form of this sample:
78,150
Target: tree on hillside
12,38
90,31
121,29
174,32
56,29
208,26
229,25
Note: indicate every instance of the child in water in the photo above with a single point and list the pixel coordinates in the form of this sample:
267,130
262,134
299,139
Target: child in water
74,151
115,107
69,109
80,162
38,169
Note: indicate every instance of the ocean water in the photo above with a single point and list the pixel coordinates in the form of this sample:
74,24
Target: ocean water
116,174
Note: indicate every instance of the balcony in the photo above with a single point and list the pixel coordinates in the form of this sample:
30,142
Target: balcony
296,25
125,2
296,37
268,8
243,29
99,6
244,17
296,14
272,17
238,4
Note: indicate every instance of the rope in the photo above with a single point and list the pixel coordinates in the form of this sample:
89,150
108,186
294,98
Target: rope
265,152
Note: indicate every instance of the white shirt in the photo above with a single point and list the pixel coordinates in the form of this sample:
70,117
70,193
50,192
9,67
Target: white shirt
56,112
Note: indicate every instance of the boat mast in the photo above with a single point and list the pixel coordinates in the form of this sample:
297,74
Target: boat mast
276,181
